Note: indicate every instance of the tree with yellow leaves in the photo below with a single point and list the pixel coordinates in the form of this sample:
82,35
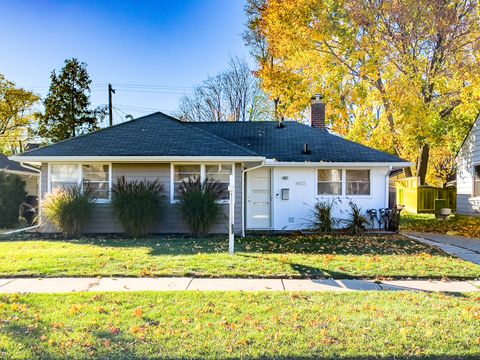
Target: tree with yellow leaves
17,114
399,75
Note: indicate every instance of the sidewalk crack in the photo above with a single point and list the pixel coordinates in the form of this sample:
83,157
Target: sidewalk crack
188,285
8,282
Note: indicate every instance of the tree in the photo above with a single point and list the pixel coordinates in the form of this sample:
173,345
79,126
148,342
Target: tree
67,111
17,114
233,95
395,74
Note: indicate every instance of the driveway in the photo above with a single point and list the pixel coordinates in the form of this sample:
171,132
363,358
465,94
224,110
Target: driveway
460,246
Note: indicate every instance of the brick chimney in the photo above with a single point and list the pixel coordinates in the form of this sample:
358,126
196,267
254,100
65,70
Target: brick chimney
317,114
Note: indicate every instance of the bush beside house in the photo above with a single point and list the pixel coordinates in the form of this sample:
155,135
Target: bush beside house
12,194
70,209
138,205
199,203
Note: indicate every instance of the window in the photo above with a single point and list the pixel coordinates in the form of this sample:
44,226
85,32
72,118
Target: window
476,180
219,172
63,176
329,182
183,173
96,176
358,182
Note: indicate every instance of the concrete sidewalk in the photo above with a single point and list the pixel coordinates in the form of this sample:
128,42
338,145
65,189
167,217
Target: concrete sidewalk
460,246
67,285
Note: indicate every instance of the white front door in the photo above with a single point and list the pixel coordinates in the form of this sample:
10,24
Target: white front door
258,199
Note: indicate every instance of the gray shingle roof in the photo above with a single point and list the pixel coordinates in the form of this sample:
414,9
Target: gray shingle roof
152,135
7,164
286,144
161,135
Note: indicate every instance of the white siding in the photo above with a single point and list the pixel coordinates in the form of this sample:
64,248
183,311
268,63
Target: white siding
296,212
468,156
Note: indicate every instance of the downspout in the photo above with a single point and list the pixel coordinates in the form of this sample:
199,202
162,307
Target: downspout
387,186
244,194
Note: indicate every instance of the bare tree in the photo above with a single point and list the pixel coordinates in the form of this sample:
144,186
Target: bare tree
233,95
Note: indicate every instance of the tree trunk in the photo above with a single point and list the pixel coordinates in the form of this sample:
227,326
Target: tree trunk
422,164
408,172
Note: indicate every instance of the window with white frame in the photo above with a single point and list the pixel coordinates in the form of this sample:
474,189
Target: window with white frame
95,176
476,180
218,172
358,182
329,182
183,173
63,176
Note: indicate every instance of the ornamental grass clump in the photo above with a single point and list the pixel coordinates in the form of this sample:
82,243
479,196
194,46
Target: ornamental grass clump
357,222
199,204
138,205
323,220
70,209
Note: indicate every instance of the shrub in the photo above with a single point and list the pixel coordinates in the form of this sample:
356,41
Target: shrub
70,209
138,205
358,222
322,216
12,194
199,204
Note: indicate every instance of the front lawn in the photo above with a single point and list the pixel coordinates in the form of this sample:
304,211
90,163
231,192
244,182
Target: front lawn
295,256
456,225
199,325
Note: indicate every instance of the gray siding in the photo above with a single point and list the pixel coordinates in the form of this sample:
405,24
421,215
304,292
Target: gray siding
468,156
104,221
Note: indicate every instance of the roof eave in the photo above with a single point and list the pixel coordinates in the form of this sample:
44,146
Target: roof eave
393,164
47,159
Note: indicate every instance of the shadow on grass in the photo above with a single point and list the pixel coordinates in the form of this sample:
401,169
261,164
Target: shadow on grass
278,244
105,345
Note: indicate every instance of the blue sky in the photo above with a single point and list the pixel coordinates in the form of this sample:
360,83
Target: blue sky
172,45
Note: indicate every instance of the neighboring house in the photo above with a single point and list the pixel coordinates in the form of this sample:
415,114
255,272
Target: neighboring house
279,171
468,173
28,174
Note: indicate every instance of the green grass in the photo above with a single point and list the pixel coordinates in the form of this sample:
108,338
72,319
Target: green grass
281,256
147,325
456,225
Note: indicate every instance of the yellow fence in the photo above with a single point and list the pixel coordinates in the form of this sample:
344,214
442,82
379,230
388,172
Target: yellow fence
421,199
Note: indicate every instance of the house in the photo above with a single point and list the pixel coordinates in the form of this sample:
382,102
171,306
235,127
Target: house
279,172
468,173
28,174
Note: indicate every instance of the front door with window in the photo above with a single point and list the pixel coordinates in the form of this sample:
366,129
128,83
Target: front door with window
258,199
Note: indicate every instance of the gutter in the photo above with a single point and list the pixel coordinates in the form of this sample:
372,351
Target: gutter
244,193
129,159
323,164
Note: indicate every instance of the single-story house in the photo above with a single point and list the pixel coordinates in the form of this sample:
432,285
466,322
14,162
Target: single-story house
468,173
28,174
279,171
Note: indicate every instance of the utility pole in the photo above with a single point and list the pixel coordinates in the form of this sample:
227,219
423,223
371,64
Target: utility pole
110,107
